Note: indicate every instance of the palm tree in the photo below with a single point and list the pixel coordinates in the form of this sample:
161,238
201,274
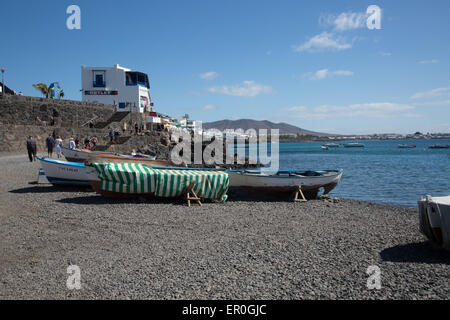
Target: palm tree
43,88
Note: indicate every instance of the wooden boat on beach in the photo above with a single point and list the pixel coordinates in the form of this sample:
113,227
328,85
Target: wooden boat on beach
434,219
124,180
87,156
67,173
260,183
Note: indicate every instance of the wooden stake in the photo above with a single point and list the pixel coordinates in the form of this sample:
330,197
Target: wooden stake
299,191
190,189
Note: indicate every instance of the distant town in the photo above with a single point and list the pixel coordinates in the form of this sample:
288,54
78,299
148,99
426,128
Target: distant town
382,136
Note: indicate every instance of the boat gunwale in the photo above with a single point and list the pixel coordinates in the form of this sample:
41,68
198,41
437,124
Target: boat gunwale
62,162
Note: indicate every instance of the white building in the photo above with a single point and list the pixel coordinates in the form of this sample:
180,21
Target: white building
126,89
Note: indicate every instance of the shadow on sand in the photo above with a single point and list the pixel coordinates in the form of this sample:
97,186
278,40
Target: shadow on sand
420,252
96,199
50,189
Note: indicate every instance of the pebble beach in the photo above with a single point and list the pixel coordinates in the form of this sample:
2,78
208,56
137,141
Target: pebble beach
147,249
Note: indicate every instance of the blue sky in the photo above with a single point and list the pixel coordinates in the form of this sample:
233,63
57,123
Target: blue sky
313,64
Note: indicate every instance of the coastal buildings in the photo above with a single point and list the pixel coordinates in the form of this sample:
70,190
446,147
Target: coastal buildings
126,89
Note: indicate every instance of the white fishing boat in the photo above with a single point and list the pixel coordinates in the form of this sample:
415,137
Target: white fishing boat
434,219
327,179
274,183
67,173
86,156
331,145
405,146
353,145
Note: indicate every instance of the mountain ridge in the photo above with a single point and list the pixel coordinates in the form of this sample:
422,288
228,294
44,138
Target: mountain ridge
246,124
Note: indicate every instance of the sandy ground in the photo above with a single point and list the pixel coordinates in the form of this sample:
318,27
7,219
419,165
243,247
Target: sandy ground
237,250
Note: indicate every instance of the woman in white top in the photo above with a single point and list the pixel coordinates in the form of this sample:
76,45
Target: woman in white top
72,144
58,143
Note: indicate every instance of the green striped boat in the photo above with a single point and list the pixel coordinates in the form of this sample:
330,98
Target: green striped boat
135,178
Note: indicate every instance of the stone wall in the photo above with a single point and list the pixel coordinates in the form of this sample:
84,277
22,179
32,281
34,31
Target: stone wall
154,143
14,137
22,110
18,115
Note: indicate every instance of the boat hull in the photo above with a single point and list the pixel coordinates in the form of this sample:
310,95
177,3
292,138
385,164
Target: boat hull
67,173
434,219
244,179
353,145
272,186
95,184
86,156
251,183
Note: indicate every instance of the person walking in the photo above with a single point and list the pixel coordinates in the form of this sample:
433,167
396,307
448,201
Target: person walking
31,148
136,128
77,142
94,141
124,128
72,144
50,145
111,135
59,144
87,143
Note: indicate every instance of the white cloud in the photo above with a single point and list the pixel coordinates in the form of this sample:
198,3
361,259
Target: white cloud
325,73
209,107
431,93
297,109
433,103
429,61
322,42
209,75
360,110
344,21
244,89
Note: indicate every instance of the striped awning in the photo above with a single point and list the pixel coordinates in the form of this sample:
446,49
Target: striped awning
138,179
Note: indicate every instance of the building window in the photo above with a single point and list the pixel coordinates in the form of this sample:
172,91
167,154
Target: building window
137,78
99,79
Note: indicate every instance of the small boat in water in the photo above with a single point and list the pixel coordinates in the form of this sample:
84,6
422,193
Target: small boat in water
439,146
324,147
331,145
353,145
67,173
434,219
405,146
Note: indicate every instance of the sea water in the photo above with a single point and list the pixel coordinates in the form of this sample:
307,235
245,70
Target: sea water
380,172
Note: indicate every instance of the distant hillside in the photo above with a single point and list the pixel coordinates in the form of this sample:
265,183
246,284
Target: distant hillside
254,124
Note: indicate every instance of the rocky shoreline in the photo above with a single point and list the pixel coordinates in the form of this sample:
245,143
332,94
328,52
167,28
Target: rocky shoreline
320,249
